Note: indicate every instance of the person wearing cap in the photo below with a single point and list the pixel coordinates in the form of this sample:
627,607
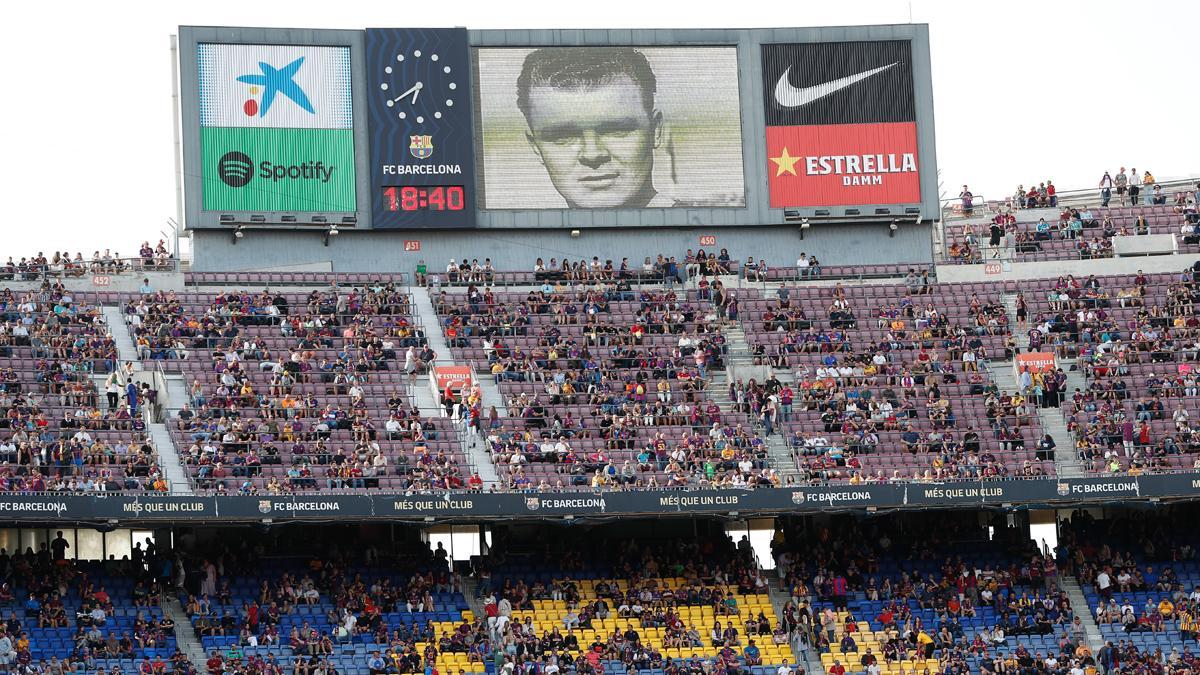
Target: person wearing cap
376,664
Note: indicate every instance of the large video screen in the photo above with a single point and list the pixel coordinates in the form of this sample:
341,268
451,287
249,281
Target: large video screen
609,127
276,128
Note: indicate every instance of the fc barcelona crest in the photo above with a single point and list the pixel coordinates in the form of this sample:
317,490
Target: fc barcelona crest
420,147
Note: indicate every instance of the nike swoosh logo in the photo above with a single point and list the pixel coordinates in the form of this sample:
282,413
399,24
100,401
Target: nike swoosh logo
793,97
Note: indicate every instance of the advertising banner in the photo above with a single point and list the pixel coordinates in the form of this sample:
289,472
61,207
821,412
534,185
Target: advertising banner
841,123
455,377
1034,362
278,169
599,505
276,127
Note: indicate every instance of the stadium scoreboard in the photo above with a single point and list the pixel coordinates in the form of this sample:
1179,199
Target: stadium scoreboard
445,128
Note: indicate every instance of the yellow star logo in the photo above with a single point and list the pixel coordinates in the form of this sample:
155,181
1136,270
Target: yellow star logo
785,162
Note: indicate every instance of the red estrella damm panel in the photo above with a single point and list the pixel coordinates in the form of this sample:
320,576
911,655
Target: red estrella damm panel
843,164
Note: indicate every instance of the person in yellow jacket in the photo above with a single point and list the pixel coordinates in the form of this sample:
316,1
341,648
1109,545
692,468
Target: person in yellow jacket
1166,608
925,644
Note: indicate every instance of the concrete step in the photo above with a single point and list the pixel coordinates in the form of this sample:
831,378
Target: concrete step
126,350
474,447
176,394
809,658
169,459
1080,606
185,635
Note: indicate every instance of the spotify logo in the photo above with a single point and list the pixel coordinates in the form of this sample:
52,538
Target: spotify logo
235,169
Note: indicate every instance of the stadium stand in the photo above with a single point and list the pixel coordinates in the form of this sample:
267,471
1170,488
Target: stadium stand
690,373
600,608
1142,582
897,375
294,392
908,600
604,385
68,616
64,265
57,434
1076,233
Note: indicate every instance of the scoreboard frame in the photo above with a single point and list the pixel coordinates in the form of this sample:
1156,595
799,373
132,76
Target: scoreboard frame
757,166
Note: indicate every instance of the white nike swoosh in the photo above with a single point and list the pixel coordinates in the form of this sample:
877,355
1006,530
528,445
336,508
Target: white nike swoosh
794,97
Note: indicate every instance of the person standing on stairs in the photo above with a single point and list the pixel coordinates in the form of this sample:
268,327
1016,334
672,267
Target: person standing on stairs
131,396
112,390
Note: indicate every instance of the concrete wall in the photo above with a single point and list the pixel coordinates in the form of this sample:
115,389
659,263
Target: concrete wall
1054,268
380,251
129,282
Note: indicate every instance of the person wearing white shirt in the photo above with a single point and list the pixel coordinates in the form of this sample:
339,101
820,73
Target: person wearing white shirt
393,426
1106,185
803,266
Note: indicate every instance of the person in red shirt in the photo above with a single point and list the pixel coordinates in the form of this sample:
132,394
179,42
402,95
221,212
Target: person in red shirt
886,618
837,668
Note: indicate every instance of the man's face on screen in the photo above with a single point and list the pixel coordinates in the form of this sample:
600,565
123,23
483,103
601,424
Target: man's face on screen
597,143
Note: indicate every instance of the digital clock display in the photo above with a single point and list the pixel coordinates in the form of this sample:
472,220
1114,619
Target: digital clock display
424,198
421,121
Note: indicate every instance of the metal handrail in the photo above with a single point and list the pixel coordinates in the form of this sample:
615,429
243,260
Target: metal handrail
952,208
115,266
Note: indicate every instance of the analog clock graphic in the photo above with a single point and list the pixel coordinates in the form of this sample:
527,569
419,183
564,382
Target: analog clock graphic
418,87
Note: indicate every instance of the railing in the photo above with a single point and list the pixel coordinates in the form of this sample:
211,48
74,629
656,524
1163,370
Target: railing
79,269
952,208
225,279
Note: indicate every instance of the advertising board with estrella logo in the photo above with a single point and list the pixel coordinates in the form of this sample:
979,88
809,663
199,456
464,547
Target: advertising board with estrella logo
419,110
841,123
276,128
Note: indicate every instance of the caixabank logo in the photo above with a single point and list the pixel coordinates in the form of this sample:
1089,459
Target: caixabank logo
841,123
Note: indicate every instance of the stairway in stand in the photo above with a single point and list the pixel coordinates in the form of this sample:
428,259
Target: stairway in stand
185,635
1079,605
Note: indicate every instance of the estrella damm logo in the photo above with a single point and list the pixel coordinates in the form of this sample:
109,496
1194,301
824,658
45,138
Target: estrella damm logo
420,147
